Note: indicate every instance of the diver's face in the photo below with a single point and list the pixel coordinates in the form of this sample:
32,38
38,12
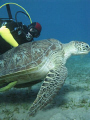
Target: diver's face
34,32
31,29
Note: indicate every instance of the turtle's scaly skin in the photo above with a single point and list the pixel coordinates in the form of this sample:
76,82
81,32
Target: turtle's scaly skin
40,60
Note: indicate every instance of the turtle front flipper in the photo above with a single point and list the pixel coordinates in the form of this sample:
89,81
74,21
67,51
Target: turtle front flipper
7,87
51,85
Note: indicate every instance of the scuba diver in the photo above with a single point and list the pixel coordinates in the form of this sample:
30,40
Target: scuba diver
13,33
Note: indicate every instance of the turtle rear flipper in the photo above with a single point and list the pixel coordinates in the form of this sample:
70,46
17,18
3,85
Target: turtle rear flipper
51,85
7,87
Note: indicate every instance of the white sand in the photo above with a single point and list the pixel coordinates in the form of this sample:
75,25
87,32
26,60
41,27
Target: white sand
71,103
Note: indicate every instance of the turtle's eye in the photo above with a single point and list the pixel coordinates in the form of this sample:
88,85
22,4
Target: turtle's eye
87,47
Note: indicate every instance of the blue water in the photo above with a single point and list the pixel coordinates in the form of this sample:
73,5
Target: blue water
65,20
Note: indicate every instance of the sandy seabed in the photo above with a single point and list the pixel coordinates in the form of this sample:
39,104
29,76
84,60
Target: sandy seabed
71,103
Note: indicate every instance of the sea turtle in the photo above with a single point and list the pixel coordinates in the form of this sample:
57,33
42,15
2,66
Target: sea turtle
33,62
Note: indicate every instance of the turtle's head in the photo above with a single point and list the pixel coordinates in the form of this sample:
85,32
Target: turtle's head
75,48
81,48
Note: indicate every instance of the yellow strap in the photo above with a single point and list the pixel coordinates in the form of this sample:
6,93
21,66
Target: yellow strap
7,36
10,85
18,6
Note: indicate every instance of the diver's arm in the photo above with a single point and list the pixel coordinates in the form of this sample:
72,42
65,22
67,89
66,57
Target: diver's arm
7,36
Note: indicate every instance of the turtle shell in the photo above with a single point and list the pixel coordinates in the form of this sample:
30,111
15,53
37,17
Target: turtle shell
24,62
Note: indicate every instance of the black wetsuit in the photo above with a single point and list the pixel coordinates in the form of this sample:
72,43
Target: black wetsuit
19,32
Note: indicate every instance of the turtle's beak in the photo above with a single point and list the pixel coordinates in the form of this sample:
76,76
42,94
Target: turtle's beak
89,49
